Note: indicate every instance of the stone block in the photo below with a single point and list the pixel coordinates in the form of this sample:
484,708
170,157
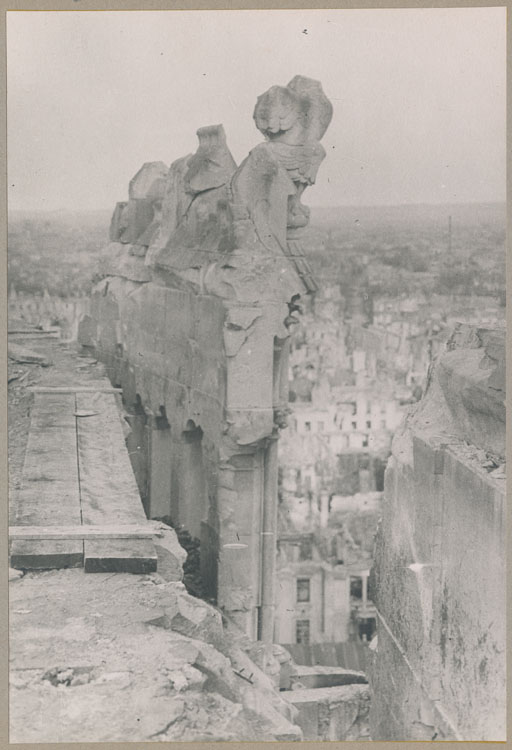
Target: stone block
87,331
191,617
130,556
297,113
212,165
118,222
15,575
324,677
335,713
23,354
149,182
136,218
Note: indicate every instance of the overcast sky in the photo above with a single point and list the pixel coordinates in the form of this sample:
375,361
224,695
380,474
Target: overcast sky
418,96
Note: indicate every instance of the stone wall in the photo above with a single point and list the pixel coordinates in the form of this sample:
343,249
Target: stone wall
438,670
192,312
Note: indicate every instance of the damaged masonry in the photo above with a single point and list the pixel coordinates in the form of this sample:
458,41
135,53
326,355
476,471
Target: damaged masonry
192,312
192,319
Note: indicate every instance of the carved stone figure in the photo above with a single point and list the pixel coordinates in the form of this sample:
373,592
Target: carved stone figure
196,221
136,221
293,119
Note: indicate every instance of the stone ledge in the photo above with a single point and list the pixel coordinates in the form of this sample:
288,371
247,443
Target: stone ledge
472,378
335,713
465,396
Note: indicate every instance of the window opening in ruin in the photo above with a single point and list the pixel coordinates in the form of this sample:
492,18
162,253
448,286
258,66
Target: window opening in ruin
356,587
302,632
339,547
307,426
365,442
303,590
354,425
368,424
306,549
366,628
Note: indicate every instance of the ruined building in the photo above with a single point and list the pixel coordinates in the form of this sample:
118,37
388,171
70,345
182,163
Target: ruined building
192,314
439,576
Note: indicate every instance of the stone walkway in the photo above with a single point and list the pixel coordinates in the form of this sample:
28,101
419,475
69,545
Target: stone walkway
77,473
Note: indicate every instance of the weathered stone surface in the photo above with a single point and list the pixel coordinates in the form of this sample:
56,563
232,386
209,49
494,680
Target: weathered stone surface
287,667
108,491
171,555
196,221
335,713
87,667
262,654
324,677
295,114
149,182
174,205
472,377
191,617
49,494
442,538
197,329
117,259
137,217
87,330
118,222
212,165
24,354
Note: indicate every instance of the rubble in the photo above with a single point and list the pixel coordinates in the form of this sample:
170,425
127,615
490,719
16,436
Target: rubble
22,354
90,663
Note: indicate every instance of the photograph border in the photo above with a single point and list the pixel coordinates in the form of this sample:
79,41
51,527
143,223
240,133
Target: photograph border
146,5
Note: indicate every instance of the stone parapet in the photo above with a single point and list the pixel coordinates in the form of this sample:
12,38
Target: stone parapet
192,312
438,582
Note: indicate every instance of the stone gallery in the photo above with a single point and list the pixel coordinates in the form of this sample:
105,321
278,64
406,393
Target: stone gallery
193,309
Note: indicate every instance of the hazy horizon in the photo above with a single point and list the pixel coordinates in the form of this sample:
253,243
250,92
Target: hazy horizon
314,208
418,97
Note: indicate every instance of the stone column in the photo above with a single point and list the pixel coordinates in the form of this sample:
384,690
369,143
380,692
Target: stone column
268,543
159,470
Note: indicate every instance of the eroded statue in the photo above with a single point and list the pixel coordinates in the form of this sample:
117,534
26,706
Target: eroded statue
226,229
